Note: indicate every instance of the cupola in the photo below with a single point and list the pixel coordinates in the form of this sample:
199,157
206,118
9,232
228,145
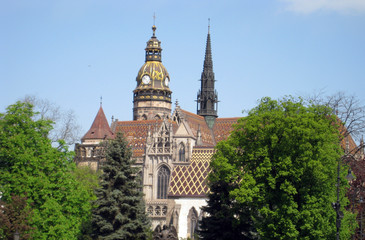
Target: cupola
152,96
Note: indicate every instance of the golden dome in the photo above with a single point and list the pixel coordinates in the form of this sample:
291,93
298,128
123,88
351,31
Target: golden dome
153,75
153,80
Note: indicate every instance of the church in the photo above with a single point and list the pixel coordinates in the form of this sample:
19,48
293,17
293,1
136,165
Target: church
172,147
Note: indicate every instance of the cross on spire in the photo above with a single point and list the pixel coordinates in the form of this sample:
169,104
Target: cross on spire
208,25
101,101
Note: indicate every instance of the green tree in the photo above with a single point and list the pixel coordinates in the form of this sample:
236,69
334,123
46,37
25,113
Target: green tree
281,164
120,212
29,163
90,180
223,220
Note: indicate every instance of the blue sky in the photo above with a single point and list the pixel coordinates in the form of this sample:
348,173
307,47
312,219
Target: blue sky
72,52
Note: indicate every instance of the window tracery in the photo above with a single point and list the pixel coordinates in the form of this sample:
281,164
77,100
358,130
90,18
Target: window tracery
163,179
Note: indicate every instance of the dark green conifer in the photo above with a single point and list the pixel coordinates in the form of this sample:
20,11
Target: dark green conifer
223,220
120,212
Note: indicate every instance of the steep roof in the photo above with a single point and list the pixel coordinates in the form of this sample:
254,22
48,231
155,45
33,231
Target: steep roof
221,130
190,180
136,133
99,129
194,121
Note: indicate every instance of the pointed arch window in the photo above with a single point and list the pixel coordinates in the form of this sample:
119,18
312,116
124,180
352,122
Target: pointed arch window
182,153
163,179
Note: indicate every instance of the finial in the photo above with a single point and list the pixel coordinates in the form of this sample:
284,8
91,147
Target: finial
208,25
154,26
101,101
177,103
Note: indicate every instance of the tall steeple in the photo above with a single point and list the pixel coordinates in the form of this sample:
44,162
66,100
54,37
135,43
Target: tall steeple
207,99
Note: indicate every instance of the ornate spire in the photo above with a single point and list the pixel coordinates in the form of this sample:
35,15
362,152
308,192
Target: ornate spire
207,99
208,62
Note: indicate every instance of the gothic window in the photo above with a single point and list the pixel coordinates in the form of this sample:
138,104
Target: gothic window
192,222
163,178
144,117
157,117
158,211
167,147
164,210
182,153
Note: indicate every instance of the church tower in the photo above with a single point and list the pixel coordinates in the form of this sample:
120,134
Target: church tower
89,152
152,96
207,99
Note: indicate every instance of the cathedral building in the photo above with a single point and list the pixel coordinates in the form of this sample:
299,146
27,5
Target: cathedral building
172,147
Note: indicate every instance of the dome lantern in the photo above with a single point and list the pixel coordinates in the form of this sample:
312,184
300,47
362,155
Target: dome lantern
153,49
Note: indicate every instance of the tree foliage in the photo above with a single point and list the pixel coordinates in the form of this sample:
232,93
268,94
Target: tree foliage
14,217
280,164
29,164
120,212
65,126
356,193
348,108
223,219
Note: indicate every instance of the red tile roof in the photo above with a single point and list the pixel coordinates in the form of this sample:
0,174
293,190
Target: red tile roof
100,128
223,128
136,133
194,121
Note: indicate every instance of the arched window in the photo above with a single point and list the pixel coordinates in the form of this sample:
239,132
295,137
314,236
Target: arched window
157,117
192,222
163,179
144,117
182,153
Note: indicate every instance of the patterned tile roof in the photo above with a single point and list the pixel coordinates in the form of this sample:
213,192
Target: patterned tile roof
194,121
136,133
190,180
223,128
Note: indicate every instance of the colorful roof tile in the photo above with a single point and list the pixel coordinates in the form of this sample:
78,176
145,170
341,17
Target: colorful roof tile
136,133
190,180
223,128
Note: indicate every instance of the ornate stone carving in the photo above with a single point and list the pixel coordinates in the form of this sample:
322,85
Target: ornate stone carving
166,233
